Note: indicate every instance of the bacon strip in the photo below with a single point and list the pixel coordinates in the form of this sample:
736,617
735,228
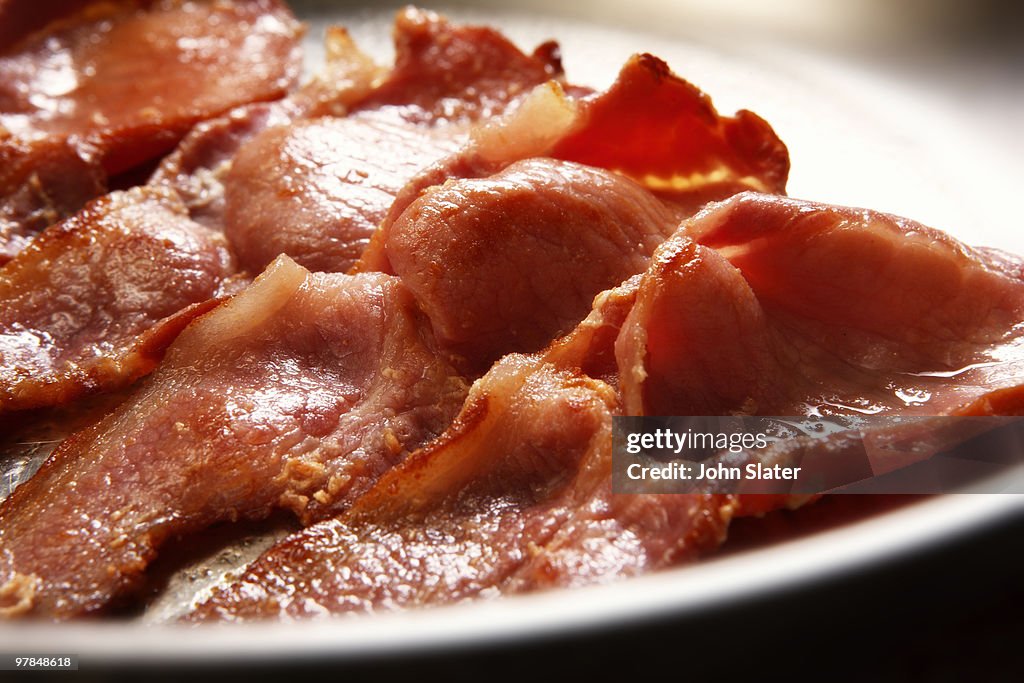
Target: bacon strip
510,262
41,182
119,83
93,302
542,521
316,190
82,313
306,389
199,166
507,263
650,126
515,496
454,74
458,519
296,394
664,133
94,305
428,47
786,307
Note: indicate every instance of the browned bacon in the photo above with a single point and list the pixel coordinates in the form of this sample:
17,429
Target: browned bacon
788,307
701,332
317,190
296,394
446,73
119,83
516,496
308,391
93,302
650,126
509,262
42,181
664,133
198,167
461,517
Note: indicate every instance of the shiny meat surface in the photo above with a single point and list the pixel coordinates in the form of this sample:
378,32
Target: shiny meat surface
455,74
131,81
735,323
317,190
650,126
483,203
510,262
457,519
787,307
296,394
92,303
42,181
198,168
516,496
665,133
120,83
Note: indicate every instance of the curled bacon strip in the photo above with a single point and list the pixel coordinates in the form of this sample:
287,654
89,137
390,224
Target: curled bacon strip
875,313
650,125
664,133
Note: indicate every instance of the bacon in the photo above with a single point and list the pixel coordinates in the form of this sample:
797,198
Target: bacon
515,496
317,190
296,394
773,320
463,245
510,262
664,133
591,344
650,126
458,518
197,169
118,84
42,181
199,166
93,302
56,350
308,392
454,74
786,307
487,509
